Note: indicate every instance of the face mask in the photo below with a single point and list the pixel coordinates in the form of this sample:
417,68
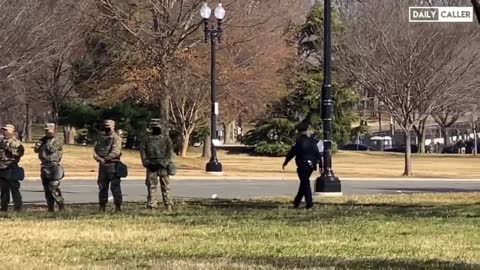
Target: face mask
7,134
156,131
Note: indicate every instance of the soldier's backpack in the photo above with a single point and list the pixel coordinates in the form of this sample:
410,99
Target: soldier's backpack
156,150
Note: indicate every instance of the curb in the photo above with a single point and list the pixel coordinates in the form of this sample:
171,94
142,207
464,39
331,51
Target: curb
291,178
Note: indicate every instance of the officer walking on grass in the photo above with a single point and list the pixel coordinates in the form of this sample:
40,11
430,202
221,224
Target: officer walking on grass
156,153
11,151
308,158
107,153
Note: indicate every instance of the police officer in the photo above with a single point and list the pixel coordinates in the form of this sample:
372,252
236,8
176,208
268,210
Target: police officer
107,152
156,153
307,157
50,152
11,150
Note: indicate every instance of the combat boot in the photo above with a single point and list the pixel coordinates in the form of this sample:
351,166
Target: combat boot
102,208
151,205
51,208
61,206
17,209
118,208
4,209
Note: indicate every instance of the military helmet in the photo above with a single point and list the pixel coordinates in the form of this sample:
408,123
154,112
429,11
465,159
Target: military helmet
9,128
155,122
109,123
50,126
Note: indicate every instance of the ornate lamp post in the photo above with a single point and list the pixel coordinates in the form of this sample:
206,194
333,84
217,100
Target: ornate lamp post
214,35
327,184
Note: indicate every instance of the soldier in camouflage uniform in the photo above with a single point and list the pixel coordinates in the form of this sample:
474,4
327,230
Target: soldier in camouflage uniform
156,153
107,152
50,152
11,150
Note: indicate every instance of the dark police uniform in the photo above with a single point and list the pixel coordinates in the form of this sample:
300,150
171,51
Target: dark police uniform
308,158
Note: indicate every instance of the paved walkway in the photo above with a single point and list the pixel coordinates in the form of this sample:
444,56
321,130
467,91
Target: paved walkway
83,191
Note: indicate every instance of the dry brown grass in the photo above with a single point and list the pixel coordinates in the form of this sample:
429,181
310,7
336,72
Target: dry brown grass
78,162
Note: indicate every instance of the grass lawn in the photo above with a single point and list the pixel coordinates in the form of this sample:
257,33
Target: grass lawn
78,161
365,232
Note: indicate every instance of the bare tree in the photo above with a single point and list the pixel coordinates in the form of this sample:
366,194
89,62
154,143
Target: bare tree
26,36
252,55
414,69
53,77
152,32
446,117
188,102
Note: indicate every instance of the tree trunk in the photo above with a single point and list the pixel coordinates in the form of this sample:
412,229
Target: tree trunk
420,132
379,121
207,144
392,127
185,142
444,132
421,146
408,155
69,133
28,124
229,132
184,149
55,116
165,111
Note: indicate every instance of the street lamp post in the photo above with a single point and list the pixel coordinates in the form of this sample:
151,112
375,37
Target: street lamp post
214,35
327,184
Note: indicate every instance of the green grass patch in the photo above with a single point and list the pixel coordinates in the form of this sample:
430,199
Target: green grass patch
364,232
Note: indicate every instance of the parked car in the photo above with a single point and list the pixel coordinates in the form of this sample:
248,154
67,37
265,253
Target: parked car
402,149
355,147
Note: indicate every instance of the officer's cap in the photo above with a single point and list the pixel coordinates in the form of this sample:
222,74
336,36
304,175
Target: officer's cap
8,127
50,126
109,123
303,126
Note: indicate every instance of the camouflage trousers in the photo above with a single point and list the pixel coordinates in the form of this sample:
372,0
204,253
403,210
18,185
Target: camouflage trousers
151,182
8,186
107,178
53,194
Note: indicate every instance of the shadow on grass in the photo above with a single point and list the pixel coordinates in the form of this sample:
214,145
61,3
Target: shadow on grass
431,190
339,263
205,211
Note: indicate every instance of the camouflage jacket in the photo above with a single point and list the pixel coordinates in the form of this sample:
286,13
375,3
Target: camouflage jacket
156,149
50,150
11,150
108,148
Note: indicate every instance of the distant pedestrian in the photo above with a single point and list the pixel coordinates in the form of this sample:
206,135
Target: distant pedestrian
461,147
308,158
432,148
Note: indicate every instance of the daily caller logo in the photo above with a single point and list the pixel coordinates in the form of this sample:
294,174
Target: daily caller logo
440,14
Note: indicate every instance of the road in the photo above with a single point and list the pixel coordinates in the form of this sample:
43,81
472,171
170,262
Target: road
86,191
